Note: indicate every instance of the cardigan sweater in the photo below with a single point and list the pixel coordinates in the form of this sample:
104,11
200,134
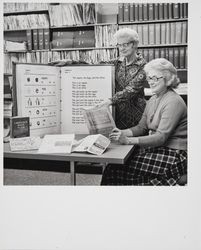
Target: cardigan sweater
163,123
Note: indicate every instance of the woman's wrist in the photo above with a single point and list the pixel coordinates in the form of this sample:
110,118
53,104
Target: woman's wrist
127,132
132,141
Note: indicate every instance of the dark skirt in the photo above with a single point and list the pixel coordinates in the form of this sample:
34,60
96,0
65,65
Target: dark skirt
151,166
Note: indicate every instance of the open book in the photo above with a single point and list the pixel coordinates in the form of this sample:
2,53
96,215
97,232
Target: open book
94,144
99,120
56,144
53,97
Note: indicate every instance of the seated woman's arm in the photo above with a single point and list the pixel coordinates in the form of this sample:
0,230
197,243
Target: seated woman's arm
170,117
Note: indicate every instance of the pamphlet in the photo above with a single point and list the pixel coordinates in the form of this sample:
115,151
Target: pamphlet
56,143
94,144
99,120
25,143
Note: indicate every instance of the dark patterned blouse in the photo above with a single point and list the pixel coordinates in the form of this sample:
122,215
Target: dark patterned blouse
128,99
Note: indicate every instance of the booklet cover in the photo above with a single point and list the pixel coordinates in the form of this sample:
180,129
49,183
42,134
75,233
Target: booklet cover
19,127
94,144
99,120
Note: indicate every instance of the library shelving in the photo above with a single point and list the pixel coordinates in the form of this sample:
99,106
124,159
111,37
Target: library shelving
85,31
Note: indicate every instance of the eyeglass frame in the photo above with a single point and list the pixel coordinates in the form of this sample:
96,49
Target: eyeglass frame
124,45
154,78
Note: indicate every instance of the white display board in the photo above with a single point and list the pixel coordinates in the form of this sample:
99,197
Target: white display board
53,97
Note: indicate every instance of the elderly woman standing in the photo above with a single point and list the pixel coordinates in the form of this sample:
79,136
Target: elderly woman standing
130,80
161,158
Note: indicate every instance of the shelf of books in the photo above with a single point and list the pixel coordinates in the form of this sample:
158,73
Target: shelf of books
41,33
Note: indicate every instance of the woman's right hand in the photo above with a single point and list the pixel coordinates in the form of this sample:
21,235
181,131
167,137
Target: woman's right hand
118,135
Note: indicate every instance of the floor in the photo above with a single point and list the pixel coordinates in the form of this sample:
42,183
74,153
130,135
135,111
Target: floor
32,177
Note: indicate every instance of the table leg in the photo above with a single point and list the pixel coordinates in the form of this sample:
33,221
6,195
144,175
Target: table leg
72,173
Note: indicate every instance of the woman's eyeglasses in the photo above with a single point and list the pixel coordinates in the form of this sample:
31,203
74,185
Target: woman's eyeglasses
124,45
154,78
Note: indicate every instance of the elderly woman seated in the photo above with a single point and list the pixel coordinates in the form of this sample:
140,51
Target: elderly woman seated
161,135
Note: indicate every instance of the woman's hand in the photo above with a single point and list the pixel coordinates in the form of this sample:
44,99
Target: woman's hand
118,135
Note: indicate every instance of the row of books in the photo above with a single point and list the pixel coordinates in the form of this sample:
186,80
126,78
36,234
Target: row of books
38,39
67,14
31,21
105,35
160,33
129,12
12,7
177,55
73,39
45,57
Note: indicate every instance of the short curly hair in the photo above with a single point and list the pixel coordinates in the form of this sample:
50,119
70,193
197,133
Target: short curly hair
131,34
167,69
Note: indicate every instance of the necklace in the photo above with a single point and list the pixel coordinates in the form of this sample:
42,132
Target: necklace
157,102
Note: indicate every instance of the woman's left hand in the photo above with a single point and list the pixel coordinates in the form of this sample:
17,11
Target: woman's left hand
118,135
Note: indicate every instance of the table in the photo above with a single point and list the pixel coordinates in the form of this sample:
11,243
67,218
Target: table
115,153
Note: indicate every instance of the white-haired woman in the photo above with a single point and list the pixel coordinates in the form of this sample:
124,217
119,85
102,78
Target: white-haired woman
130,80
161,135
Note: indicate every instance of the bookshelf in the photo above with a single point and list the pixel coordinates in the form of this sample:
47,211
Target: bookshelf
85,31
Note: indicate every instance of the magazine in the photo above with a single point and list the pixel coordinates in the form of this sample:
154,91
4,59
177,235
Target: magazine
99,120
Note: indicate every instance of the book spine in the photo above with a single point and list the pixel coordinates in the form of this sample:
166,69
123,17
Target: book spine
156,53
156,16
151,54
181,58
165,10
157,33
146,55
185,10
46,38
163,33
186,58
35,39
170,10
160,11
162,52
175,10
145,12
171,55
145,34
140,33
151,11
131,12
172,33
167,33
126,12
151,34
140,12
184,32
176,58
121,13
40,39
29,39
136,12
178,28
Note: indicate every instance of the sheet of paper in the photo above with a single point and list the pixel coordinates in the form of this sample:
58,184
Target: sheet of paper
25,143
83,87
38,96
58,143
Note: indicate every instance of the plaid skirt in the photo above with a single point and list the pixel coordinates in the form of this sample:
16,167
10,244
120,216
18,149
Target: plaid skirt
150,166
